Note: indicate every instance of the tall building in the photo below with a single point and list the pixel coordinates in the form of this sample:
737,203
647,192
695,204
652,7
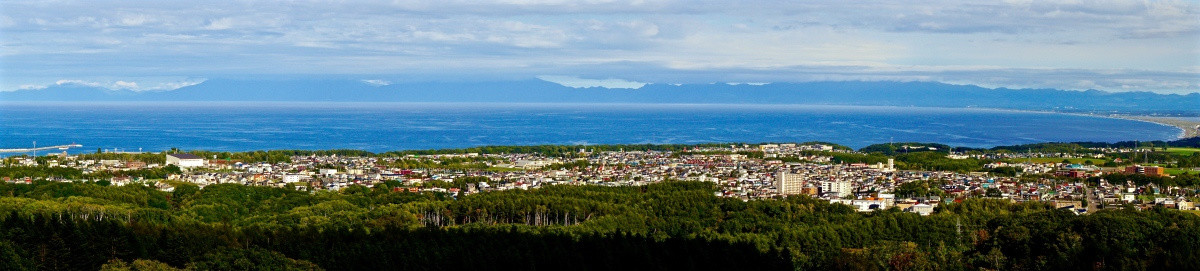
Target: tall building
841,188
787,183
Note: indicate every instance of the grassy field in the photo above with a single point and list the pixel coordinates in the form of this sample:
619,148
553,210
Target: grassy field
1183,151
1195,212
1177,171
1147,198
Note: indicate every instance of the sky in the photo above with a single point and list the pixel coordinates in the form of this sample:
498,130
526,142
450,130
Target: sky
164,45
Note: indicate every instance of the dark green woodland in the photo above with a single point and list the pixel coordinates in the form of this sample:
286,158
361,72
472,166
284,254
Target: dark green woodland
670,225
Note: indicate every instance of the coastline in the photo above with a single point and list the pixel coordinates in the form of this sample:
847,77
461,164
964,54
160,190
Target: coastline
1187,127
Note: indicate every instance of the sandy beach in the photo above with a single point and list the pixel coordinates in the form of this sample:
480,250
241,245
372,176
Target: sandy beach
1188,126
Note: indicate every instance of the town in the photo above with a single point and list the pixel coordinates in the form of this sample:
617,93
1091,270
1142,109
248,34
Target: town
743,171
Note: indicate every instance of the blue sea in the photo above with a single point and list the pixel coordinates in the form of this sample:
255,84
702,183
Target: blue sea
379,127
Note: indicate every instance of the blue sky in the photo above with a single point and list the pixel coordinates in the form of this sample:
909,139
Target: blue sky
164,45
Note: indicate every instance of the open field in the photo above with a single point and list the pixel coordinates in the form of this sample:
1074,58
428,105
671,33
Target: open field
1177,171
1149,198
1058,160
1183,151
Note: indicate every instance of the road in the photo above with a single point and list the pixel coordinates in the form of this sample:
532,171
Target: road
1093,204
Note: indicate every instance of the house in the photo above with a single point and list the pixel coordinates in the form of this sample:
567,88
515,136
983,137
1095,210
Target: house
185,160
867,205
1184,204
110,163
135,164
1059,204
921,209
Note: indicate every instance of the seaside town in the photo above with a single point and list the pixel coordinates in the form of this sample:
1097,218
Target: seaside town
747,172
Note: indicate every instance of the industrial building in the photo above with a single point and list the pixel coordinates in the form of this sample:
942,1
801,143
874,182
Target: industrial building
185,160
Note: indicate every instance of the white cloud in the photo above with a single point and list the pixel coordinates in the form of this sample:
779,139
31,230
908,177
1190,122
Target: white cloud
576,82
123,85
135,20
990,43
177,85
6,22
66,82
377,83
31,87
219,24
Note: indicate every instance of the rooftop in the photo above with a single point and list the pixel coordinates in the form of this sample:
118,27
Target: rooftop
184,156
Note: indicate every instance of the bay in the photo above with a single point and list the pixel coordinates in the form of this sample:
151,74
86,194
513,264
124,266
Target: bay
379,127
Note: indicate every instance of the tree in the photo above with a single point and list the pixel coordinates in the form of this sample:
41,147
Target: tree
249,259
184,190
676,224
356,190
11,259
137,265
173,169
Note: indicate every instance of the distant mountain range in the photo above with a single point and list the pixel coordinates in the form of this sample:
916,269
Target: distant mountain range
926,94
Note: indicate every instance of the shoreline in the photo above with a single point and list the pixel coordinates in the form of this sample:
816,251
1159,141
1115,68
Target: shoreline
1187,127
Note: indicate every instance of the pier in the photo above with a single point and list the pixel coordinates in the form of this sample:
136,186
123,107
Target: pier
36,148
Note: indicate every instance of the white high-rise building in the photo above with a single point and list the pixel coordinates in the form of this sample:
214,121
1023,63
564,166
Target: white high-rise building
787,183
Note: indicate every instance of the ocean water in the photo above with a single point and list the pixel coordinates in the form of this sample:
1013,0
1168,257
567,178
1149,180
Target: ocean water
379,127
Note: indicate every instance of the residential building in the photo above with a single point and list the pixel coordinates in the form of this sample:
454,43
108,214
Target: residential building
840,188
787,183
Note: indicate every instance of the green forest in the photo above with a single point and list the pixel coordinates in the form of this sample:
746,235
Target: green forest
668,225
